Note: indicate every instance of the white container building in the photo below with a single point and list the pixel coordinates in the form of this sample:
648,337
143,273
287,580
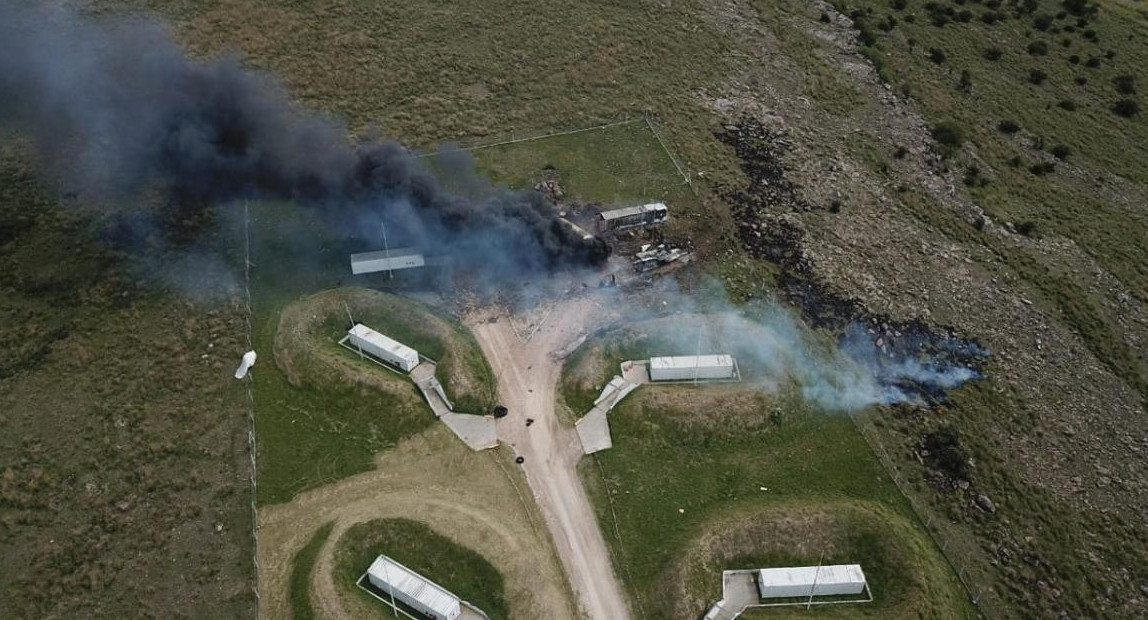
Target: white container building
690,367
370,341
811,581
414,590
386,260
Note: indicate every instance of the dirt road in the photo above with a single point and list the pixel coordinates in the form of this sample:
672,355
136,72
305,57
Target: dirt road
527,378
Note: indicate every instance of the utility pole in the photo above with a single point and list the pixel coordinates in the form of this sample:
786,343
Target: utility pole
387,249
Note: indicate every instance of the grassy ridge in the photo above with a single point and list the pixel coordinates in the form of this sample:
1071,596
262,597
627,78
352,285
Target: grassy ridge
461,570
302,565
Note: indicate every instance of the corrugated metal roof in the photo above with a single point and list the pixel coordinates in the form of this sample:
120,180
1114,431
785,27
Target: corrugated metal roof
635,210
692,361
433,596
807,575
381,341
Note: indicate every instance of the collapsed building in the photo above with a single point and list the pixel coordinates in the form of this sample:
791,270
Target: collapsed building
632,217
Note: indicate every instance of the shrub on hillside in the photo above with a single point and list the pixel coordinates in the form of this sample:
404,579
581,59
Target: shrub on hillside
948,134
1092,63
937,55
1067,104
898,5
1036,76
1080,80
1061,152
1125,84
990,17
1042,22
1042,168
1126,108
1007,126
993,53
1074,60
1038,48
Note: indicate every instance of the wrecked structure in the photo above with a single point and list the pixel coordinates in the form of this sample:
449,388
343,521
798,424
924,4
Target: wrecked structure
632,217
650,258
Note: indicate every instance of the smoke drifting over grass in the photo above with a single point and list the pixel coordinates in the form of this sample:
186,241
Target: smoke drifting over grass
115,109
870,362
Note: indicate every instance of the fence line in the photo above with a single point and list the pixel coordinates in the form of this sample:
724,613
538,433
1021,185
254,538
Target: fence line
618,534
924,517
541,136
251,445
658,136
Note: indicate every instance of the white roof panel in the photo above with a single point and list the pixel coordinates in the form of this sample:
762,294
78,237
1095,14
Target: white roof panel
692,361
385,260
807,575
381,341
433,596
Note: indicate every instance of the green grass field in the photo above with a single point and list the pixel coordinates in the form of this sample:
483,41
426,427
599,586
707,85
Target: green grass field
618,164
414,545
690,464
302,568
323,426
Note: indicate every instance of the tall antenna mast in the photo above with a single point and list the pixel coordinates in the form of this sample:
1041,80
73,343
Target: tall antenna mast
352,319
387,249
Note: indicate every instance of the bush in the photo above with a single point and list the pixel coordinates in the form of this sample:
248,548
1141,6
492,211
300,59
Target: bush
1042,22
899,5
1090,34
1015,161
937,55
1061,152
1092,63
1036,76
965,16
1074,60
966,82
825,18
939,19
1080,80
1126,108
1027,228
1125,84
990,17
1067,104
1009,127
993,53
1042,168
1038,48
944,453
900,153
949,134
1080,7
835,206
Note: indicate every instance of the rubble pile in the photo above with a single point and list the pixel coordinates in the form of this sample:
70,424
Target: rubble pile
551,189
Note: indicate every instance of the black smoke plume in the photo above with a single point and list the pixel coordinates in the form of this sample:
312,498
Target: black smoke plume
115,109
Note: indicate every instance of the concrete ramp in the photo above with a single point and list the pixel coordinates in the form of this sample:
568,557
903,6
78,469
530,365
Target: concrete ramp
593,428
476,431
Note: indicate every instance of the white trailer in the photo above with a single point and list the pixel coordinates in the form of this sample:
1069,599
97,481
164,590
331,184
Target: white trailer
811,581
414,590
393,352
690,367
386,260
